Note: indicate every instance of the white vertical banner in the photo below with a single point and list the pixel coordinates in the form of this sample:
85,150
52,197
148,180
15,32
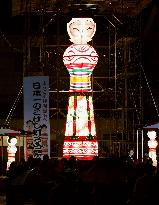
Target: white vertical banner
36,116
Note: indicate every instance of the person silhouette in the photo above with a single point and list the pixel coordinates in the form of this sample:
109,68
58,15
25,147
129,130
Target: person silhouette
130,158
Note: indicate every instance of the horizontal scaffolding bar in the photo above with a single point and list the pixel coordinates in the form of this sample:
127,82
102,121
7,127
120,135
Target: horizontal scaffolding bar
99,109
66,91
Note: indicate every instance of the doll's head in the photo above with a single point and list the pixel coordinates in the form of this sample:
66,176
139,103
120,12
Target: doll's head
152,135
81,30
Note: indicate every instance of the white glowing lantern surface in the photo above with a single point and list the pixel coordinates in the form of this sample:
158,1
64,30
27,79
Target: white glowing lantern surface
152,135
152,144
93,128
82,119
70,114
81,30
11,149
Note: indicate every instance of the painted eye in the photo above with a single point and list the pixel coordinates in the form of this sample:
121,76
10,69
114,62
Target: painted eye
89,28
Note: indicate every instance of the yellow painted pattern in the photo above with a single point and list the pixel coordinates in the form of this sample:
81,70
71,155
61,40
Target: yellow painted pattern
80,79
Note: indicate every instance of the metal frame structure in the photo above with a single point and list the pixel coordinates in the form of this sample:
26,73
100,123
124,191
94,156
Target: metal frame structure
117,90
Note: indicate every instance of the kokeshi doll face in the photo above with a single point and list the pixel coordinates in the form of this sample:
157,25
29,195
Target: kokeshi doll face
81,30
151,135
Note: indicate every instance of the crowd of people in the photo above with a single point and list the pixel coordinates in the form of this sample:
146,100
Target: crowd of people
70,181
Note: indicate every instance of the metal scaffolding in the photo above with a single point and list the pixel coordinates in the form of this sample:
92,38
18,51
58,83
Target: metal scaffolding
116,81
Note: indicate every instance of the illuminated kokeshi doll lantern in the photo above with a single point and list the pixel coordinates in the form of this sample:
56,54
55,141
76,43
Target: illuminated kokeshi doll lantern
11,149
152,144
80,59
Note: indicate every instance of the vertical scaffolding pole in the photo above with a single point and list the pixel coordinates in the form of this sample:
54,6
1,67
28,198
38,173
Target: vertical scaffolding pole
137,144
125,91
19,154
2,153
142,145
115,69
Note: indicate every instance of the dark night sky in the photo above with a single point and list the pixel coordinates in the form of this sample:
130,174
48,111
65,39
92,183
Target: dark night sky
150,37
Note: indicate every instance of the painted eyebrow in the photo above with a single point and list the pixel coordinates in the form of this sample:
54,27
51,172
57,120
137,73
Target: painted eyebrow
90,21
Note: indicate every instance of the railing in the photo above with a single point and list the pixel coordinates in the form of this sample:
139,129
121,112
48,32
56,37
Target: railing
117,148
